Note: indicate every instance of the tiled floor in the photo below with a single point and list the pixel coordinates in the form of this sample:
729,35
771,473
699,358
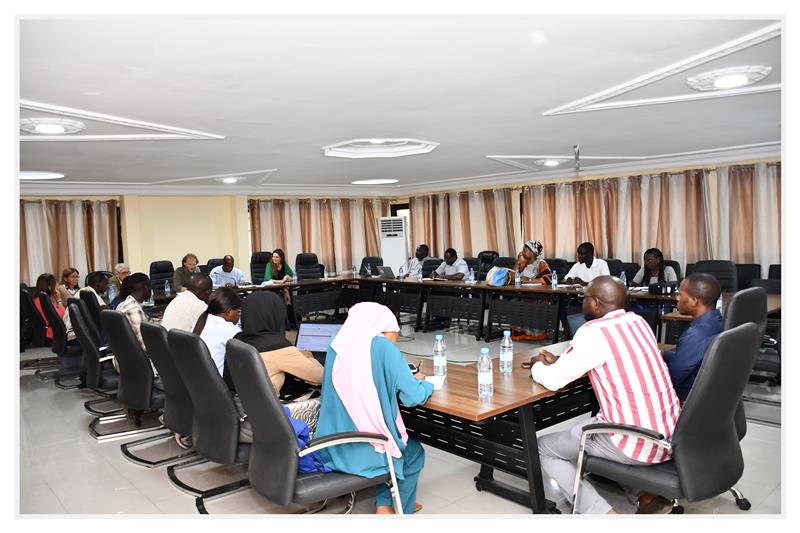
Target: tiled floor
63,470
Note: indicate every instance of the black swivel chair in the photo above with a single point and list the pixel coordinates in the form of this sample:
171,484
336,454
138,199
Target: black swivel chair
750,305
216,420
724,271
258,266
69,353
486,258
178,408
689,269
675,266
273,461
136,388
373,261
93,310
160,272
772,286
557,265
706,456
774,272
614,266
745,273
38,327
306,266
429,265
473,264
104,272
630,270
213,263
506,262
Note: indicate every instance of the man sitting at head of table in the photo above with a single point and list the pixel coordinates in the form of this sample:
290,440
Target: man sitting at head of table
453,267
588,266
180,279
226,275
184,310
414,266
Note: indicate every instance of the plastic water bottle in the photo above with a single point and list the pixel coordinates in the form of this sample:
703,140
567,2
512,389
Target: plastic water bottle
439,356
517,278
294,277
167,289
400,275
485,378
325,273
554,282
112,292
719,303
369,270
623,278
471,274
355,271
506,353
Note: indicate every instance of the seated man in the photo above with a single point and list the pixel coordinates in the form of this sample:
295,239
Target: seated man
138,292
96,283
697,297
618,351
226,275
453,267
180,278
183,311
121,271
588,266
414,265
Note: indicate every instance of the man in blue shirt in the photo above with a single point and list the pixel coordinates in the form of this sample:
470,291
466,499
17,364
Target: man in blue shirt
697,297
226,275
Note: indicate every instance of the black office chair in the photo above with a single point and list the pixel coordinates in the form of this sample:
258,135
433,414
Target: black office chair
774,272
429,265
506,262
38,327
273,461
614,266
486,259
557,265
706,456
689,269
771,286
136,388
213,263
69,353
178,408
93,310
630,270
160,272
107,274
724,271
745,273
258,266
675,266
204,268
216,422
750,305
373,261
306,266
473,264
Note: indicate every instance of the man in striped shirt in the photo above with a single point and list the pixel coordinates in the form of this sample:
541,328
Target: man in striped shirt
630,379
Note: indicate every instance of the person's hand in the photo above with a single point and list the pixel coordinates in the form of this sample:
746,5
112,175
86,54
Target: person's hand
420,375
229,284
579,281
547,357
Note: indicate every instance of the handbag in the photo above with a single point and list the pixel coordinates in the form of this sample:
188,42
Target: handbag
497,276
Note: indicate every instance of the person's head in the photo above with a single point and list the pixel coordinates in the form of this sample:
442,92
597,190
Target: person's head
45,283
70,277
603,295
532,250
121,271
263,313
422,252
227,263
98,281
278,258
698,294
521,261
224,303
189,262
200,285
450,256
139,286
653,259
585,253
366,319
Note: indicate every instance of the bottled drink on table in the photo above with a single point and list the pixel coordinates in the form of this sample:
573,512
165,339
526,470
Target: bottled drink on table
439,356
167,289
554,283
506,353
355,271
112,292
325,273
400,274
485,378
624,278
369,270
517,278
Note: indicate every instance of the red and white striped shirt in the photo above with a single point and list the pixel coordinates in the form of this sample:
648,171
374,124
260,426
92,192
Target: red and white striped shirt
629,377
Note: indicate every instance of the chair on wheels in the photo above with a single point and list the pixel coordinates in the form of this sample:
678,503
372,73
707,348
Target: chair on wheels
38,332
273,461
706,456
473,264
160,273
93,310
69,353
614,266
213,263
675,266
745,273
485,258
306,266
429,265
106,273
373,261
557,265
258,266
750,305
774,272
724,271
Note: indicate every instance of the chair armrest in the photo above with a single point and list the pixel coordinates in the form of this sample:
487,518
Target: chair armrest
107,358
350,437
624,429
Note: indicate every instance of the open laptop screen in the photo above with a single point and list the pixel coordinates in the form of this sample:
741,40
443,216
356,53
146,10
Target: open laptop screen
315,336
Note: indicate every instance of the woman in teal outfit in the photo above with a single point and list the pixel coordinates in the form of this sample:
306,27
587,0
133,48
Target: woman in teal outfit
364,373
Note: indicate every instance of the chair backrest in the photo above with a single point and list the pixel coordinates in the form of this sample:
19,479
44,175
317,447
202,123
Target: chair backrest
273,459
745,273
614,266
474,264
373,261
204,268
724,271
94,334
774,272
160,272
429,265
38,327
772,286
213,263
106,273
258,266
135,387
630,270
178,407
558,266
215,425
485,259
56,323
705,445
89,346
92,308
507,262
675,266
306,266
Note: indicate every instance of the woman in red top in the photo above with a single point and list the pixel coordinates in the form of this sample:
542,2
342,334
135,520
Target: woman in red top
47,283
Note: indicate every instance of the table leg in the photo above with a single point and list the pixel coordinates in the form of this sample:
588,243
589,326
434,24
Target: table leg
418,326
480,315
488,335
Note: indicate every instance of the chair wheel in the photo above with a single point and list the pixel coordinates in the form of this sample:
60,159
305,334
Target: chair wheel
478,487
678,509
743,504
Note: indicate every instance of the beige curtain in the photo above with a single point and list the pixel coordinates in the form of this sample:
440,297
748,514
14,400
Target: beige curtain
740,187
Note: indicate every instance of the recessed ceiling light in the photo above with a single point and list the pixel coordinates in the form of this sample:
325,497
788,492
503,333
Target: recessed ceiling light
362,148
552,163
728,78
374,182
51,126
377,141
32,175
229,180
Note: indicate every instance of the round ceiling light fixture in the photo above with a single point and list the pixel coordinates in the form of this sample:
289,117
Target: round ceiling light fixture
373,147
51,126
728,78
34,175
374,182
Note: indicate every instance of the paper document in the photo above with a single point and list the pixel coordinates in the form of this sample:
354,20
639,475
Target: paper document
437,381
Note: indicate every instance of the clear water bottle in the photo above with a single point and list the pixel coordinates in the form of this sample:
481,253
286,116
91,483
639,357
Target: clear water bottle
506,353
719,303
439,356
623,278
112,292
485,378
554,282
294,277
325,273
355,271
369,270
471,274
167,289
517,278
402,272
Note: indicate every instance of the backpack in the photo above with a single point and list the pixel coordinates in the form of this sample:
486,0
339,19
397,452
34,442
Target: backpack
498,276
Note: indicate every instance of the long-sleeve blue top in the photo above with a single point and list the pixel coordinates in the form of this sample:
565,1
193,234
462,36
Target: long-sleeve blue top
684,362
392,377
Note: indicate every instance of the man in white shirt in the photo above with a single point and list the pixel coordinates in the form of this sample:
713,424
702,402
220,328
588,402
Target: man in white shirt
588,266
414,266
183,311
226,275
630,379
96,283
453,267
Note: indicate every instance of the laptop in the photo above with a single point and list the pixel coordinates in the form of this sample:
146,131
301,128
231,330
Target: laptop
315,337
386,272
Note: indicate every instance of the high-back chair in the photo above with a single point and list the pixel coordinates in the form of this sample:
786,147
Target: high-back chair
306,266
160,273
258,266
774,272
93,308
724,271
557,265
373,261
429,265
750,305
69,353
485,258
213,263
675,266
506,262
745,273
473,264
38,327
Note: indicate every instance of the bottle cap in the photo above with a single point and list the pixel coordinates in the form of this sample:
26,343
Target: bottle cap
484,351
506,333
439,337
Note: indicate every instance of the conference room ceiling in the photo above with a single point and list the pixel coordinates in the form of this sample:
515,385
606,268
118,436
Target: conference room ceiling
195,99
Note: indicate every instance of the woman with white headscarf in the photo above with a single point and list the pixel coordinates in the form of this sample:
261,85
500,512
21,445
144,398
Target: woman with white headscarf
364,372
536,269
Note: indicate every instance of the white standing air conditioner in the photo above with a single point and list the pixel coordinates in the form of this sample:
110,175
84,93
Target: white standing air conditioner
394,246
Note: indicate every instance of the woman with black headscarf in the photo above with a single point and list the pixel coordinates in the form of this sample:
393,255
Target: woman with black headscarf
264,328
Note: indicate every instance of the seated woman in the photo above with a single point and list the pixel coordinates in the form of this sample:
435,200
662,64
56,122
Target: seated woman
264,328
277,269
364,372
68,288
217,325
654,269
536,269
47,283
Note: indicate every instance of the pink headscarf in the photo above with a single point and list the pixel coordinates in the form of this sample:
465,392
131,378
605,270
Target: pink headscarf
352,370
